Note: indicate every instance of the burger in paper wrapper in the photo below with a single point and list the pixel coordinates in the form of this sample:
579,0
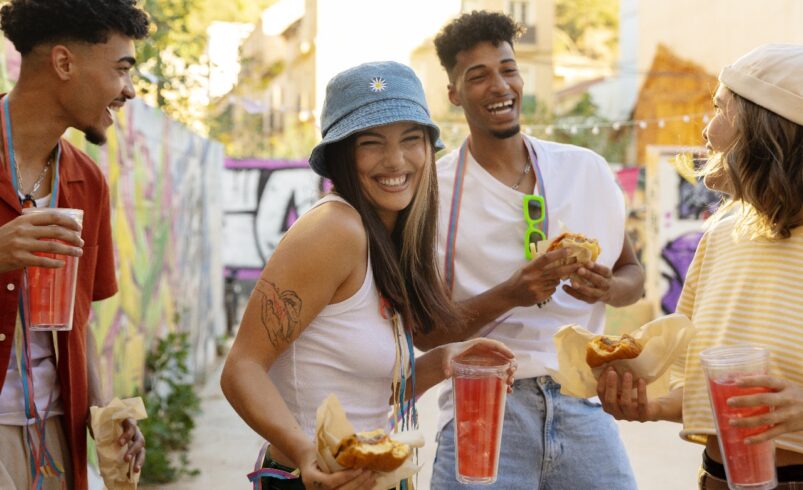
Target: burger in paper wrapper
603,349
371,450
582,248
662,341
340,447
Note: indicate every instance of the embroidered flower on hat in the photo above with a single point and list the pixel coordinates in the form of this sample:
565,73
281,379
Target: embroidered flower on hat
378,84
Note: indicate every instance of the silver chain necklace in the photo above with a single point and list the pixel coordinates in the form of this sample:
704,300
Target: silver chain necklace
524,173
37,183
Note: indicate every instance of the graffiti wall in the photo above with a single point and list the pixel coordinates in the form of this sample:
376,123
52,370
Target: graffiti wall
632,181
165,197
677,206
165,189
261,199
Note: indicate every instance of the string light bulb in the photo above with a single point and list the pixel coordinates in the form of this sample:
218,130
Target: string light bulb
594,127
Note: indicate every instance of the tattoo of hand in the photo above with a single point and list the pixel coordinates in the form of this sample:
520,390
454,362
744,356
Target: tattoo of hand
279,312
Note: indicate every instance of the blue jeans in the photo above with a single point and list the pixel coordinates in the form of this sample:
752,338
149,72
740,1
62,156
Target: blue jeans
550,442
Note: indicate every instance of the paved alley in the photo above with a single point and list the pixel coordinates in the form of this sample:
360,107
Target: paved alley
225,449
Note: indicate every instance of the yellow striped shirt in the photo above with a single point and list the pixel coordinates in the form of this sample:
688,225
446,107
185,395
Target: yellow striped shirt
741,291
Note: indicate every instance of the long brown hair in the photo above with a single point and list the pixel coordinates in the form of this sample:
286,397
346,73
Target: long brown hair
403,261
764,169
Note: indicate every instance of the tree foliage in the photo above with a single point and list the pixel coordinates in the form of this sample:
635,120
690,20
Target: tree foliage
589,25
172,59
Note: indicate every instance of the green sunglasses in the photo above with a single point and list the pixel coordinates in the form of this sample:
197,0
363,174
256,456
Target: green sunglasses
534,209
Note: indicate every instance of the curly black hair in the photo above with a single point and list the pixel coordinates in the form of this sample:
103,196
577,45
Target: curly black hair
468,30
29,23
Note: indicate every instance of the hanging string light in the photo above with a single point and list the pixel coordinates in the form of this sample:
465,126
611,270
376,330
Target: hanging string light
595,127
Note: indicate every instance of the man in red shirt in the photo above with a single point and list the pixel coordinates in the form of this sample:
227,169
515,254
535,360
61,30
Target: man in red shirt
76,61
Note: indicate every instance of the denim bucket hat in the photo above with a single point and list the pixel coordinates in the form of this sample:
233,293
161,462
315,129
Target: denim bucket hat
370,95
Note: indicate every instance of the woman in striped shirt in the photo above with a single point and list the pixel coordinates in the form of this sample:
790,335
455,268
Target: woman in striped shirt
744,284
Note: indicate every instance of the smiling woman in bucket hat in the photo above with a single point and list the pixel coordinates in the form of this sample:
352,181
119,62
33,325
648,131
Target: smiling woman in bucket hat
370,95
337,304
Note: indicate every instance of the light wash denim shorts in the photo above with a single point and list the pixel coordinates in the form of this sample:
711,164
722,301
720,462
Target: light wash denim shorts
550,442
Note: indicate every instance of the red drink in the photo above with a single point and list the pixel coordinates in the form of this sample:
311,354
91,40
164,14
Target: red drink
50,293
748,467
479,394
745,464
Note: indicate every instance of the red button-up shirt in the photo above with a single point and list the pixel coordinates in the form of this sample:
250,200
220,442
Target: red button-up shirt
81,186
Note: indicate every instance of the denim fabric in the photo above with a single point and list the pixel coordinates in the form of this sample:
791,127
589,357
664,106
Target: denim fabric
550,442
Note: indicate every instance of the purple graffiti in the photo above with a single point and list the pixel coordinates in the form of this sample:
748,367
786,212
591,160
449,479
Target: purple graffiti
678,255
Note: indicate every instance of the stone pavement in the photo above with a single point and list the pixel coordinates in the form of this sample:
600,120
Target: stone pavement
224,448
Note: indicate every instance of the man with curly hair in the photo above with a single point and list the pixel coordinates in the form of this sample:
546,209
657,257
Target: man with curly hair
77,56
500,192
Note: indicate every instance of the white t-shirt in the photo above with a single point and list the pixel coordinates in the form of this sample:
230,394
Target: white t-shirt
45,376
349,349
581,196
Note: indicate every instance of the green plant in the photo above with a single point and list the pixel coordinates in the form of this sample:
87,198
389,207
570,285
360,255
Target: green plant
172,405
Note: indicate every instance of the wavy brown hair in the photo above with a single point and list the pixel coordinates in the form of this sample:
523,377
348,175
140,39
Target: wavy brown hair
403,261
764,171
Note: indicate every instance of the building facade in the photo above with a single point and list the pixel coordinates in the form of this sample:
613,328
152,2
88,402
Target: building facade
298,45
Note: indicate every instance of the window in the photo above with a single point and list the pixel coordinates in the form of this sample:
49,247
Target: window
518,9
523,12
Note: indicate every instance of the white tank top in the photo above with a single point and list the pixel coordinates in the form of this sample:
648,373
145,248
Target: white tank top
349,350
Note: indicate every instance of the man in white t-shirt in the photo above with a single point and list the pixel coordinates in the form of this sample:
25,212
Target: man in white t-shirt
486,187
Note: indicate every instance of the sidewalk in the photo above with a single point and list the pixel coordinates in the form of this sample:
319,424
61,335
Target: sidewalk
224,449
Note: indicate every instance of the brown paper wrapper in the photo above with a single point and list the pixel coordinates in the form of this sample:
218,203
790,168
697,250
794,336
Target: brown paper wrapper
662,341
107,429
332,426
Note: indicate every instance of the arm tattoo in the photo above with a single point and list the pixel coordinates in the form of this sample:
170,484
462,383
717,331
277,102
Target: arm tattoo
279,312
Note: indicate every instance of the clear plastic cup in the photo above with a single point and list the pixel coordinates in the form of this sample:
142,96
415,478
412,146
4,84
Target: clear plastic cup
747,466
50,293
480,390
